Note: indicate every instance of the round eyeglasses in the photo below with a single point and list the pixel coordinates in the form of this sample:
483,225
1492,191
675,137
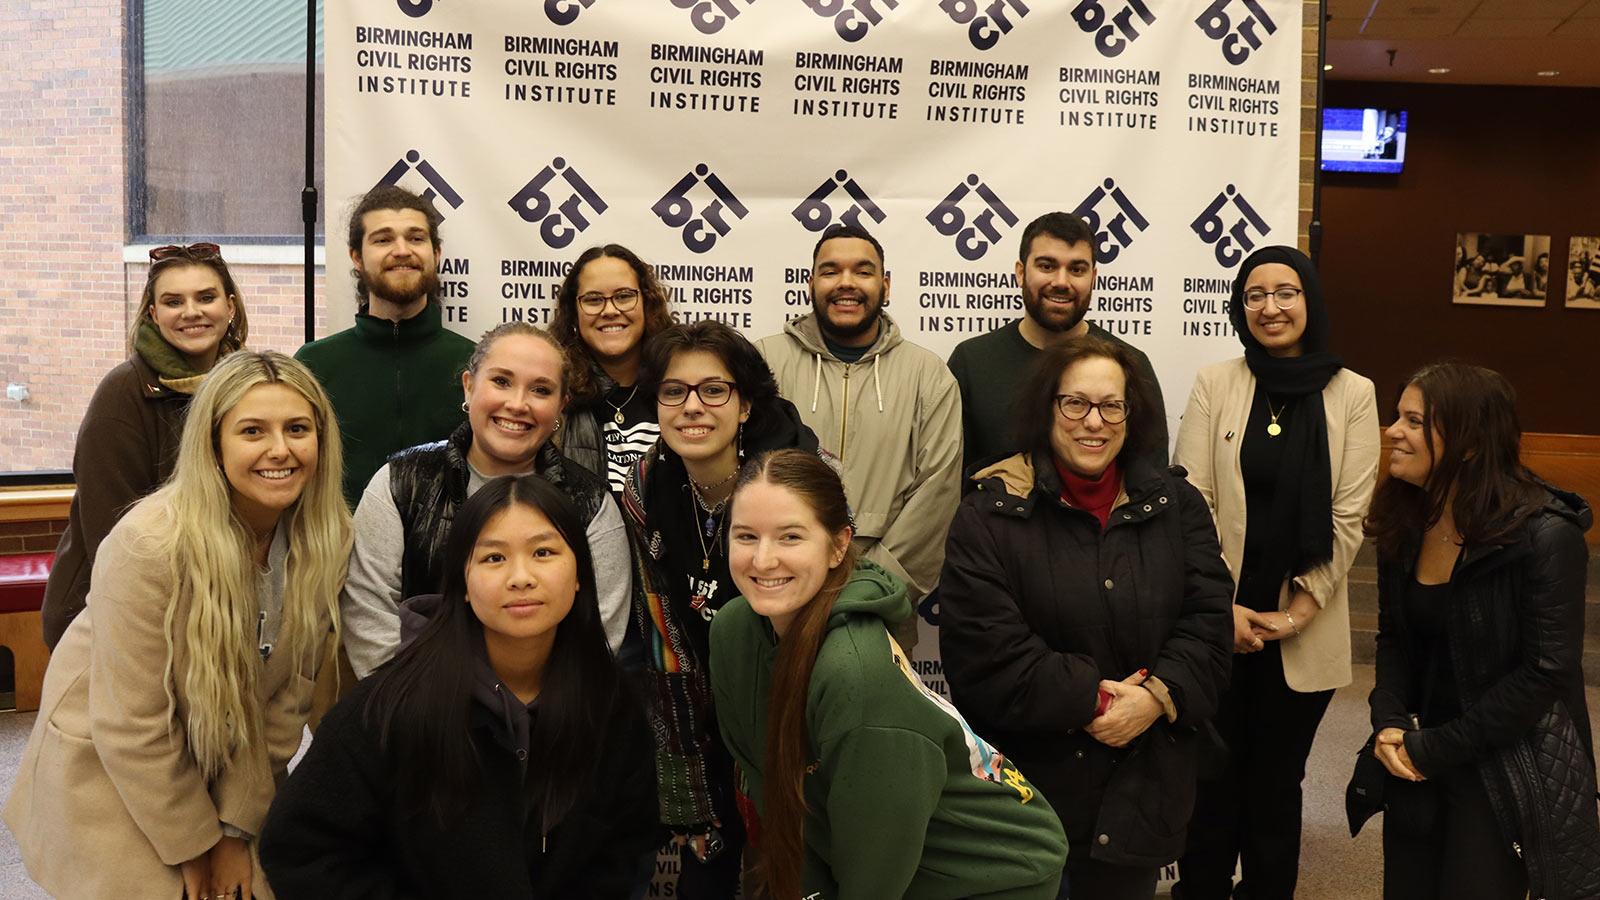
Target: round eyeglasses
1286,297
623,299
1112,412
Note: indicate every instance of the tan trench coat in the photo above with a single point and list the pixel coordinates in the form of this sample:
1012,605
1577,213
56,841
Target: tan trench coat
108,801
1208,446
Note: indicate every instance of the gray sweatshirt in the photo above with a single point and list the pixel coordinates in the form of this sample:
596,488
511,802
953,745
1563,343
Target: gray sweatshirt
371,600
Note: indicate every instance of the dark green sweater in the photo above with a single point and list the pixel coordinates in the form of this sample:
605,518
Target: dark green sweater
393,385
990,370
906,801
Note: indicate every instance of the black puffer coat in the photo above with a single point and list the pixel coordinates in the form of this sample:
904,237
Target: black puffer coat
1515,630
1038,604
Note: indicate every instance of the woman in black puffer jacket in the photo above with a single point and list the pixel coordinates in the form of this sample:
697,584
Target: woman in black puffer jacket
1085,621
1479,703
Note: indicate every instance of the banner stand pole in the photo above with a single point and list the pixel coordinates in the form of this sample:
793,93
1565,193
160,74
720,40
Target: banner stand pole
308,196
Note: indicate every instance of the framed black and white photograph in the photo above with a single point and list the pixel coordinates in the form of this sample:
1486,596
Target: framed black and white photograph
1583,273
1502,269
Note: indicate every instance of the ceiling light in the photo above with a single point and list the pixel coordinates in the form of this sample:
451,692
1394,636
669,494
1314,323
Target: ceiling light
1439,71
1548,73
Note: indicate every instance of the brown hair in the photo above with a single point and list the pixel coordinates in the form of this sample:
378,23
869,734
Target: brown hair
1475,411
788,744
1035,409
564,325
238,329
387,196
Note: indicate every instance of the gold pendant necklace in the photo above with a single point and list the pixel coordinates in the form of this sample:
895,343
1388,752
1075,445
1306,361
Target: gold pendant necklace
1274,429
618,418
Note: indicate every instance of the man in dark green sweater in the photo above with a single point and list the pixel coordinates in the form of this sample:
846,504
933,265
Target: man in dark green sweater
1056,272
395,376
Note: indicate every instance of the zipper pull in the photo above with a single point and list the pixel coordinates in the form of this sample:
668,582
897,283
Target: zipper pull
1517,849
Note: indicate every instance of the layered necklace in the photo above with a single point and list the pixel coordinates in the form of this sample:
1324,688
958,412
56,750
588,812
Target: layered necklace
709,531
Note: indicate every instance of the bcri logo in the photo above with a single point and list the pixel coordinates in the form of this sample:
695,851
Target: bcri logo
416,9
1111,234
437,187
986,29
565,12
1112,33
676,210
1232,242
950,219
852,19
815,213
557,229
710,16
1241,38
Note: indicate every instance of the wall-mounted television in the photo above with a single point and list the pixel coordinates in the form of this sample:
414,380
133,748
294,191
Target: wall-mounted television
1363,140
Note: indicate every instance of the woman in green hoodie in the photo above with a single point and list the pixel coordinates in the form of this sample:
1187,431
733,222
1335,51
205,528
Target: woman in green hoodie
190,316
860,782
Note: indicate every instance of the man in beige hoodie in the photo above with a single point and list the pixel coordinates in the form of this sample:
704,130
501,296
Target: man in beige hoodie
887,408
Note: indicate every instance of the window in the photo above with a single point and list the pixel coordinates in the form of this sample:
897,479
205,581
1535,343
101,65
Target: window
216,142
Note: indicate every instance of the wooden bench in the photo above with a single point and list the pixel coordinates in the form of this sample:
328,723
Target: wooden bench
22,579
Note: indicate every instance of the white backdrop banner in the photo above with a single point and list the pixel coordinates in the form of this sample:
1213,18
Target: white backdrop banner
718,138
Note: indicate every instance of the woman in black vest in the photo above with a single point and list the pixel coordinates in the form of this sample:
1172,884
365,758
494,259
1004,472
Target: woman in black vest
515,387
609,305
500,754
1479,711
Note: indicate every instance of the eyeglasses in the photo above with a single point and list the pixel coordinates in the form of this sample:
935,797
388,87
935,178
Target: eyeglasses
202,250
1287,297
623,299
1112,412
711,393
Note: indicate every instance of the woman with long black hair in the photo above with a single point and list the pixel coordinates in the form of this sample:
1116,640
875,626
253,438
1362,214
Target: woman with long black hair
1479,711
499,753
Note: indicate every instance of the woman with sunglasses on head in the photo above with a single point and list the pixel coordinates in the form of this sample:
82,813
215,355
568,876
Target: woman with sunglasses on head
190,315
718,404
609,305
1282,443
1084,616
867,784
500,754
176,699
1479,710
515,387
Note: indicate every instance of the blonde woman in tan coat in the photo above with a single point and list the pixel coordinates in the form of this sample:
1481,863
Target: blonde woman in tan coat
174,702
1283,444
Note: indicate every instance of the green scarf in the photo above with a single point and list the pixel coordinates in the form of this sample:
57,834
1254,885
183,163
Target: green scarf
173,369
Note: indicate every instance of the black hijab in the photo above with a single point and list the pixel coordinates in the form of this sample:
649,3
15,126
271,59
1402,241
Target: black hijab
1301,528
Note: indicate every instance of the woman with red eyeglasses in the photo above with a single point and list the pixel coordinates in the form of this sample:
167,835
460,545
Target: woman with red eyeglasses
190,316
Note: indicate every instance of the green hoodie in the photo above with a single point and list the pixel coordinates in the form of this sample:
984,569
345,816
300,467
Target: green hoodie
905,800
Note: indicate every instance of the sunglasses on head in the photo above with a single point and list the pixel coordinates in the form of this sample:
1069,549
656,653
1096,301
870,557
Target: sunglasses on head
202,250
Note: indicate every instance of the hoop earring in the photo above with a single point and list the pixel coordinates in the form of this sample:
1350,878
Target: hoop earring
463,406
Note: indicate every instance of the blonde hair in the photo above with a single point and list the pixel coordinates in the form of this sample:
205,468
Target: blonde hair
212,564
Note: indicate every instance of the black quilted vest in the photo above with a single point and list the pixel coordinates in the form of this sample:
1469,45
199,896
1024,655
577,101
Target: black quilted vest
429,483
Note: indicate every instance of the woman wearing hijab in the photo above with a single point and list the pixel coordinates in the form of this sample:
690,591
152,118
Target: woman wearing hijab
1283,444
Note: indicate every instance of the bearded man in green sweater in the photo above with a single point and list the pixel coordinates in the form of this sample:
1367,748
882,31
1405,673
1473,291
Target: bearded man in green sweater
395,376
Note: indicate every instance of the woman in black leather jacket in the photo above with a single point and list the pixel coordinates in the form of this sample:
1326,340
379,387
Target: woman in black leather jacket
1479,708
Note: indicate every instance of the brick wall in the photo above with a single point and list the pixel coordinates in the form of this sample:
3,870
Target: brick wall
63,224
30,537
